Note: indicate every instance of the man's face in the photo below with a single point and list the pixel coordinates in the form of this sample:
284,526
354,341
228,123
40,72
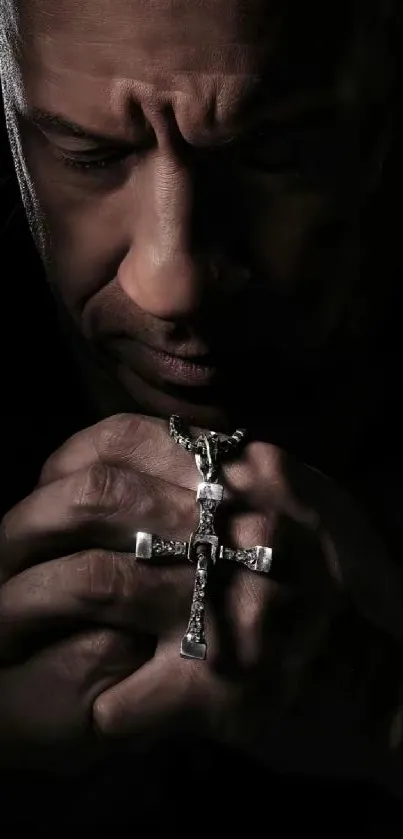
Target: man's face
188,166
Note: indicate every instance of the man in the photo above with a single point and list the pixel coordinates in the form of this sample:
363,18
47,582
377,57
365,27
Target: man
200,182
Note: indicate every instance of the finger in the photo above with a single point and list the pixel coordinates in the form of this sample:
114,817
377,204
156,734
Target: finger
94,587
139,442
48,699
244,612
159,698
101,506
245,529
356,550
144,443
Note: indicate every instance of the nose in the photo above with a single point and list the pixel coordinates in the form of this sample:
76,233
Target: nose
167,271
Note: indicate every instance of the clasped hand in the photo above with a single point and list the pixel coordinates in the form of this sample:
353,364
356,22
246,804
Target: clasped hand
90,638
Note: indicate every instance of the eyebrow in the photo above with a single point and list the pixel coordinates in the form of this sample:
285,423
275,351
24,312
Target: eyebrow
58,124
62,126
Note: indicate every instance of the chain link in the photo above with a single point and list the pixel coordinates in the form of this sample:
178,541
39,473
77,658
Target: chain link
222,445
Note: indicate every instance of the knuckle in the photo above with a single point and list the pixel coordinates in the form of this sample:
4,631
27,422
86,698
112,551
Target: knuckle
59,462
96,645
120,423
100,578
249,607
95,489
249,529
49,469
113,436
79,660
102,489
107,710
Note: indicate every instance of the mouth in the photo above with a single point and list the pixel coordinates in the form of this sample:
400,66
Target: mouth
164,369
161,383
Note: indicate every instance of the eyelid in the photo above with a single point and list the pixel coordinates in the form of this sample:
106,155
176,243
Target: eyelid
93,161
103,155
98,151
76,142
80,145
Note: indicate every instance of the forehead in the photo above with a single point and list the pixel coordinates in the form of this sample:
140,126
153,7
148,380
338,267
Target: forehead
168,33
218,50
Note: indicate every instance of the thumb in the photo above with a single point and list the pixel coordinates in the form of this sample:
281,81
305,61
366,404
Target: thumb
159,698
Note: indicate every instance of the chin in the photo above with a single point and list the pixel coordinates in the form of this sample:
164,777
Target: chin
152,401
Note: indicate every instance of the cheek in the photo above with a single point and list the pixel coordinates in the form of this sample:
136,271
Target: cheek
304,243
85,247
84,227
288,223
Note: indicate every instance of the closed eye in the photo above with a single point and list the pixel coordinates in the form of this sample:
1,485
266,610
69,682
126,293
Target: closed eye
93,161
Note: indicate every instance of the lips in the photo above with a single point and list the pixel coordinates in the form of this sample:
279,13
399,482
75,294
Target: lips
164,368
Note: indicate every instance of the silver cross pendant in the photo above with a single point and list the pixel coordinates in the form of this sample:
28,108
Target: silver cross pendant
203,549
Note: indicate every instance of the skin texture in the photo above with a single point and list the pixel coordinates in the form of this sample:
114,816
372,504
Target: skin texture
203,237
229,228
98,634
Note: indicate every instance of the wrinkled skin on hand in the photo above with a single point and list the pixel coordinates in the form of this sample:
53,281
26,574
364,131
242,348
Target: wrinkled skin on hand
90,638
